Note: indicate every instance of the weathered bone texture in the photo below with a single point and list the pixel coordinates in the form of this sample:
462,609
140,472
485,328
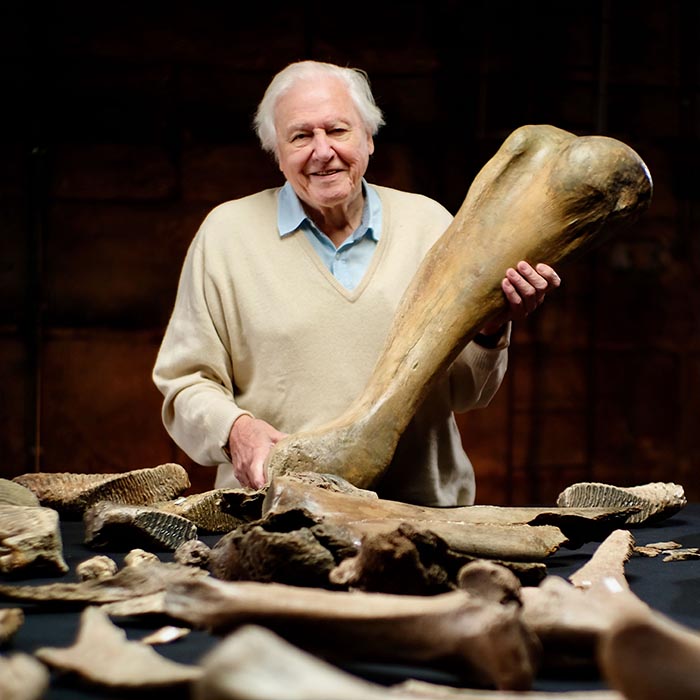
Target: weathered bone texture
647,656
608,562
142,605
128,583
22,677
193,553
684,554
12,494
102,655
254,663
117,526
371,516
204,509
11,619
655,501
138,556
252,553
545,195
402,561
653,549
72,494
30,536
490,581
415,562
96,567
481,640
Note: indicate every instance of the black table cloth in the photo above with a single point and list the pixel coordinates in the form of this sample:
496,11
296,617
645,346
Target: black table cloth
672,588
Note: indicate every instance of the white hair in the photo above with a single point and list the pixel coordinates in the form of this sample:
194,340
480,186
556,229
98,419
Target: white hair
355,80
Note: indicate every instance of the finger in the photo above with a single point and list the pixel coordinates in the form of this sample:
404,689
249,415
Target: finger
241,476
515,301
257,478
528,293
533,277
549,273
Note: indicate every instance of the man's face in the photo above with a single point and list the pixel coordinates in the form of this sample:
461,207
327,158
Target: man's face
322,145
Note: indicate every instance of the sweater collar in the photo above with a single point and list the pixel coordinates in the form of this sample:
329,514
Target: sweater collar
291,215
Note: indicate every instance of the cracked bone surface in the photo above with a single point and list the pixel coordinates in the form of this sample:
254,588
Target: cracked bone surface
544,196
482,640
523,534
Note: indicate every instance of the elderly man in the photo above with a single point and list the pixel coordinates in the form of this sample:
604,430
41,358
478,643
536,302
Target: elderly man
286,297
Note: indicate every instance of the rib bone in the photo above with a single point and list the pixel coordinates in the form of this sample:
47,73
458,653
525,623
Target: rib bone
545,195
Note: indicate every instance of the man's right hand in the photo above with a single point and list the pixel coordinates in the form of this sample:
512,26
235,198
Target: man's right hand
249,442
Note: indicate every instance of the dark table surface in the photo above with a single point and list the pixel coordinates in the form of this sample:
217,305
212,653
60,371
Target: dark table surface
672,588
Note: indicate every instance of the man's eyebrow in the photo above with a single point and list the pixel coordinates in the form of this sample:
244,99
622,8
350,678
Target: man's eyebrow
306,126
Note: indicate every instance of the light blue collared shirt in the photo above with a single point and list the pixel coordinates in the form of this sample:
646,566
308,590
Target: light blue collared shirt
348,262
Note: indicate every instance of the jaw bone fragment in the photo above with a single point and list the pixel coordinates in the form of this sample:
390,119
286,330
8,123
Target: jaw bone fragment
102,655
484,641
30,537
72,494
204,509
655,501
545,195
116,525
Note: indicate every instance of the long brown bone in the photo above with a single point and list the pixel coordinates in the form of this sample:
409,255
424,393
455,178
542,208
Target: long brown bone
545,195
480,639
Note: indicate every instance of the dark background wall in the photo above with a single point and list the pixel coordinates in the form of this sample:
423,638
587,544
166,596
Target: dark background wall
124,124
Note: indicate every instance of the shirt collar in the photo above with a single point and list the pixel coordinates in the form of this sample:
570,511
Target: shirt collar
291,215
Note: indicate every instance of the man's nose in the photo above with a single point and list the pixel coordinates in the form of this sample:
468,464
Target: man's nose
322,146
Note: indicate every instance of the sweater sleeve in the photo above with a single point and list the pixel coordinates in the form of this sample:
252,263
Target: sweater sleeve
477,373
193,367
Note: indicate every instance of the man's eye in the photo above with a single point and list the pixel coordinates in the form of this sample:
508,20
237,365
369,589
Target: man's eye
299,137
337,131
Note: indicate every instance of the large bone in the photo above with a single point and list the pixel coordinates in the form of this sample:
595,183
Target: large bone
255,664
479,639
371,515
544,196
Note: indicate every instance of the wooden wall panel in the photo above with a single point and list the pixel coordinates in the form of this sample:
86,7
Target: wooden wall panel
99,410
123,134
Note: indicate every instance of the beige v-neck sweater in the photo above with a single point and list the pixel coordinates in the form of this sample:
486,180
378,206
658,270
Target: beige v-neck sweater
260,326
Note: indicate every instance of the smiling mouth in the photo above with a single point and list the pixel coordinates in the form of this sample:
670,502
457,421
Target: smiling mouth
326,173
